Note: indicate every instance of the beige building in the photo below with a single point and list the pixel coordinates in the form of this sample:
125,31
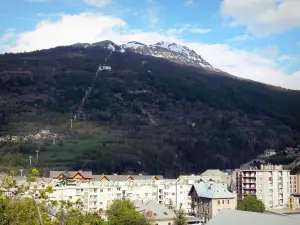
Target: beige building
294,184
208,199
215,176
271,184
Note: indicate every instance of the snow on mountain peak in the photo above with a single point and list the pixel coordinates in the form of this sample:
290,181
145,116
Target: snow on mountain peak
171,51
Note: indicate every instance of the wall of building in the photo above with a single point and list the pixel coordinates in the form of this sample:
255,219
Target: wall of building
294,183
271,184
99,195
219,204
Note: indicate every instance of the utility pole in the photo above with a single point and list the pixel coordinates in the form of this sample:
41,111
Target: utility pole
37,155
21,171
54,139
30,157
71,120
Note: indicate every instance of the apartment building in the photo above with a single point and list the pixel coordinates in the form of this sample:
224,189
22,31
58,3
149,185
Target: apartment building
98,192
271,184
295,183
208,199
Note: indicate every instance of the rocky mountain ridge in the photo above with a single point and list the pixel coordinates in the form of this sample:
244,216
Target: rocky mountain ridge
171,51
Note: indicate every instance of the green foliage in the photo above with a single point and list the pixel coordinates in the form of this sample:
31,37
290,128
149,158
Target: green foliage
180,218
123,212
235,119
251,203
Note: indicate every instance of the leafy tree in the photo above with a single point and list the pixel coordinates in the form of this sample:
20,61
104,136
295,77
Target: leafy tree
180,218
124,212
250,203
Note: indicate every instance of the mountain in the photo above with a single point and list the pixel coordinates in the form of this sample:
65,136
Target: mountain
173,52
161,109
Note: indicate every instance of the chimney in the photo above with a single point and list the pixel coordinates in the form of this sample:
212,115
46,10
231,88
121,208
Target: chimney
149,214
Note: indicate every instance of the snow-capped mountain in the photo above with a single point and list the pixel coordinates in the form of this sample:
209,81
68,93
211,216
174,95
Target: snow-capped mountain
170,51
173,52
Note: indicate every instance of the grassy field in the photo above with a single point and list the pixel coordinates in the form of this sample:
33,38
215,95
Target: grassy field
72,145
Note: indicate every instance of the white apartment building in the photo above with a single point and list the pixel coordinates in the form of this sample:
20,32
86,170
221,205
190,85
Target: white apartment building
271,184
98,194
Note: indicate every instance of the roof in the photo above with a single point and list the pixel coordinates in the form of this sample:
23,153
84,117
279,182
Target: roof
125,177
159,212
70,174
236,217
210,173
212,190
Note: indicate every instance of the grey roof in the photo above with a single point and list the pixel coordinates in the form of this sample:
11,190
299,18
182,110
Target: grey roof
55,174
236,217
159,212
212,190
125,177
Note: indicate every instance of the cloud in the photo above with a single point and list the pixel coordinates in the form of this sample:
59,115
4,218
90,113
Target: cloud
153,18
283,58
189,28
244,37
97,3
8,35
258,64
268,50
84,27
199,30
263,17
39,1
189,2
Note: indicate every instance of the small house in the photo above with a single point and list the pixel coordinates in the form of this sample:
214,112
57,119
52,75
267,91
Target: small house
270,152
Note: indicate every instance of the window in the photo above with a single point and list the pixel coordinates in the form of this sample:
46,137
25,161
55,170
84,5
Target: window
218,202
223,202
165,213
101,190
227,201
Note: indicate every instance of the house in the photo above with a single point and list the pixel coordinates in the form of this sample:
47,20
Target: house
216,176
237,217
104,68
44,132
155,213
208,199
269,152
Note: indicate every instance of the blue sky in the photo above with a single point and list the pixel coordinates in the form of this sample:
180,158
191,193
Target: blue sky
253,39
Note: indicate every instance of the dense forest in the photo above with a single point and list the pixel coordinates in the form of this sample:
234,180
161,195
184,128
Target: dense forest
146,115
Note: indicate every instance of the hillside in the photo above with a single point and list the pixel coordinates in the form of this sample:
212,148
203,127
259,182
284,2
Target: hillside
148,114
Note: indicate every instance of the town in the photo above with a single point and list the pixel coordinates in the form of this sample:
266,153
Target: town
203,197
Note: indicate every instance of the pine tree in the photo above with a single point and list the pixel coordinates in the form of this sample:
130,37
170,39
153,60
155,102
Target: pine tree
180,218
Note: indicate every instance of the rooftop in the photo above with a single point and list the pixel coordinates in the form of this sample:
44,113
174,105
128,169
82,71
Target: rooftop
236,217
212,190
154,211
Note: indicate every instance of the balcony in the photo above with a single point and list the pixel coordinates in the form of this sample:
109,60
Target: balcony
249,175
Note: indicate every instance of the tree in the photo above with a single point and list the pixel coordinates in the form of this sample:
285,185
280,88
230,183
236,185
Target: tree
180,218
124,212
251,203
26,204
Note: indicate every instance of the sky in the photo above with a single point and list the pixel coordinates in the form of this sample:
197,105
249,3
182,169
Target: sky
252,39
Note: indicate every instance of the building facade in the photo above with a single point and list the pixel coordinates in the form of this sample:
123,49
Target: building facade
98,192
271,184
294,184
208,199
